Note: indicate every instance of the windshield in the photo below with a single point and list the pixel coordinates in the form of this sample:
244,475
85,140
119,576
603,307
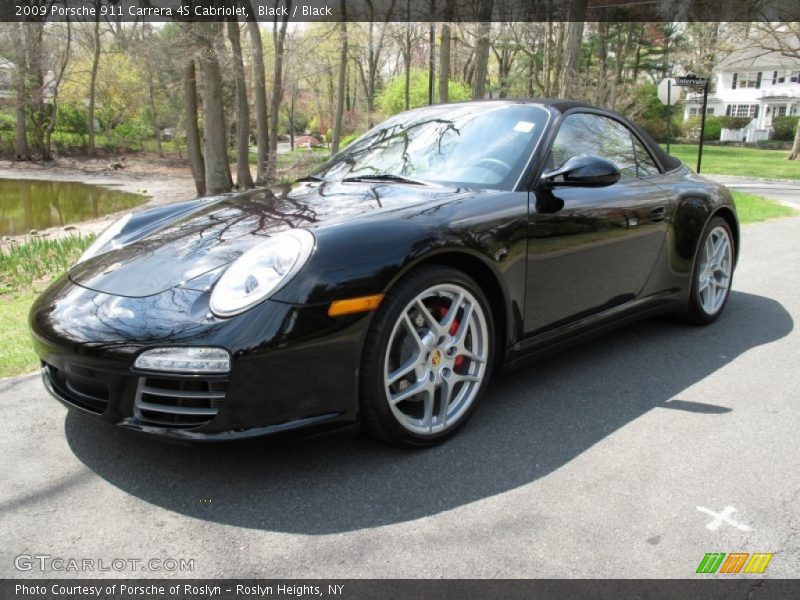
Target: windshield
479,145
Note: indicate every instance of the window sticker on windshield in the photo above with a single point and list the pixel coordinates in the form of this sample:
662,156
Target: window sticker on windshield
524,126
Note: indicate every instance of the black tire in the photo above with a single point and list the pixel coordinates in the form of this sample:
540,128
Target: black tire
377,417
695,313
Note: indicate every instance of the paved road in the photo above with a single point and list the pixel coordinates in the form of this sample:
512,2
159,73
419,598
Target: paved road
607,461
783,191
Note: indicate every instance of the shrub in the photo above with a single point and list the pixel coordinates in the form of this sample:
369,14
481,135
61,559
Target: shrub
392,99
72,118
784,128
347,140
734,122
691,128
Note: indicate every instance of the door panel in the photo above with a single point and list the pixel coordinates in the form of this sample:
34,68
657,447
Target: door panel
591,249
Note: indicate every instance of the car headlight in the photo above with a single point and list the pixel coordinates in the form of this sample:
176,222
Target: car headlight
105,241
261,271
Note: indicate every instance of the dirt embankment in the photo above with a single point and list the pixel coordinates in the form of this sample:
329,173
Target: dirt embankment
162,181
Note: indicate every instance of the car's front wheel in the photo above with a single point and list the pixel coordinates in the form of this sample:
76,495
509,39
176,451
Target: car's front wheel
427,357
713,273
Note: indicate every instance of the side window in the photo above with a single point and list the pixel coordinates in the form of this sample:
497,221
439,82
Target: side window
645,165
583,133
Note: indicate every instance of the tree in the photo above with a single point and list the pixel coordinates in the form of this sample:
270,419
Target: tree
784,39
217,169
243,177
96,49
193,144
482,51
22,150
279,39
572,50
260,92
337,123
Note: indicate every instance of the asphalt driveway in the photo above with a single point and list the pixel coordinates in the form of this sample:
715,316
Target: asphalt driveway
630,456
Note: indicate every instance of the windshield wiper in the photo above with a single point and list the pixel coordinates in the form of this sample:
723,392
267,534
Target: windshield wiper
310,178
385,177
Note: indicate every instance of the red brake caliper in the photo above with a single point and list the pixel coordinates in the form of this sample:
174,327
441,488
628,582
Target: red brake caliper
453,329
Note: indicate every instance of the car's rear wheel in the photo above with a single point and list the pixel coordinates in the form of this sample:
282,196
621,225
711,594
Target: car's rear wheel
713,273
427,357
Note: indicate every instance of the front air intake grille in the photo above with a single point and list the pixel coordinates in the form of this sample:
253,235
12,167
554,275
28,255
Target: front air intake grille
79,387
168,402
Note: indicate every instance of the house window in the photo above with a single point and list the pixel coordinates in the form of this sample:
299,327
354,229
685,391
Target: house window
780,111
742,110
785,77
749,80
696,111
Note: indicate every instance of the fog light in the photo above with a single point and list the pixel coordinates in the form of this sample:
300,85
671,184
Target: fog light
185,360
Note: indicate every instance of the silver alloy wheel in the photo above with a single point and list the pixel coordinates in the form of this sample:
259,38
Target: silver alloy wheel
436,359
716,268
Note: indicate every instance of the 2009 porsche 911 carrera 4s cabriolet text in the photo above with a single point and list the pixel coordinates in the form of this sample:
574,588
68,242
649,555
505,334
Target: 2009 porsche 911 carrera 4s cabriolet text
442,245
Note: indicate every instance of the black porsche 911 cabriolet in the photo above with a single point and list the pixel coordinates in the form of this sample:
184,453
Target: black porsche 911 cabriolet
386,287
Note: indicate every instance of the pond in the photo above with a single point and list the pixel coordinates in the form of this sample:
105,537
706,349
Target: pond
31,204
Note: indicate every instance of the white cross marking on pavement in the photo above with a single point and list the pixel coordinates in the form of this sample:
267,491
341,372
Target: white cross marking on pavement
722,517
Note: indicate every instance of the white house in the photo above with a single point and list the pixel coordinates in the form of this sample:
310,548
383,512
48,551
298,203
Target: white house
754,83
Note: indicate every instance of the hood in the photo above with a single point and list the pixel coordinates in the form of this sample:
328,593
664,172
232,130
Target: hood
189,246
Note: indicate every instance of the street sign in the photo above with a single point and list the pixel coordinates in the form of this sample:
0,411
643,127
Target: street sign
668,93
690,81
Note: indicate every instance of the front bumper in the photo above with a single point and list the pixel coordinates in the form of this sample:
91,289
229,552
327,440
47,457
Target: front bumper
292,366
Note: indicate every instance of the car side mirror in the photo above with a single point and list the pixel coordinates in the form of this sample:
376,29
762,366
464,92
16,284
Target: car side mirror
583,171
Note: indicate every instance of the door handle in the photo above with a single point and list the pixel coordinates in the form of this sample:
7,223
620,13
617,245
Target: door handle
659,213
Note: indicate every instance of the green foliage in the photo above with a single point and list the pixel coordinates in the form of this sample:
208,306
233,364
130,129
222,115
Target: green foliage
392,99
129,135
784,128
691,128
72,118
8,122
348,139
734,122
39,258
648,112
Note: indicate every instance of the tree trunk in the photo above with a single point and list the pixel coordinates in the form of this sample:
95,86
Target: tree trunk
22,150
444,53
407,66
244,179
795,153
337,124
444,64
481,64
572,49
279,36
192,131
260,88
218,175
93,86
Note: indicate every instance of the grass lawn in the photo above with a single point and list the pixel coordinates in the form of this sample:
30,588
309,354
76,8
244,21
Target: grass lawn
745,162
25,269
16,353
752,208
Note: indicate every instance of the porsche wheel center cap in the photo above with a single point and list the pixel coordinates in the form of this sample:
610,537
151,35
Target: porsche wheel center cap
436,357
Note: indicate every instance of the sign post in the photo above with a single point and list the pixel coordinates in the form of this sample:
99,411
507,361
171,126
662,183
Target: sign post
669,97
697,83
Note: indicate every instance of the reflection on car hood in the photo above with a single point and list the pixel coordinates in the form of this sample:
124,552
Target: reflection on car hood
188,247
